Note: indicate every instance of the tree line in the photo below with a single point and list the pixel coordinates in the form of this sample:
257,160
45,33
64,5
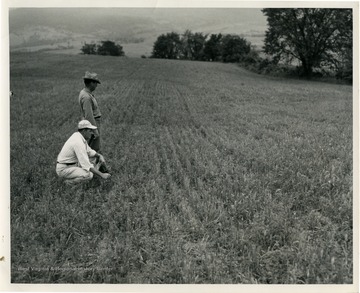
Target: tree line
104,48
299,41
318,40
201,47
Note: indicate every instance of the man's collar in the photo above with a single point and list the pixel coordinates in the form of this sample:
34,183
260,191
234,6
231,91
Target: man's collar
87,90
82,137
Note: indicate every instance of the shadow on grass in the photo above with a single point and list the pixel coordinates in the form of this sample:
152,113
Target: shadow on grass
82,191
95,184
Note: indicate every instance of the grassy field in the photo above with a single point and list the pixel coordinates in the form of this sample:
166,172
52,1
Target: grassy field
219,175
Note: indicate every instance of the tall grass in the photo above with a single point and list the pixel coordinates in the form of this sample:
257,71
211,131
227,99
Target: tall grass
219,175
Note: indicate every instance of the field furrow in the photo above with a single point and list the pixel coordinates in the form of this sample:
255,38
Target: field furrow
219,175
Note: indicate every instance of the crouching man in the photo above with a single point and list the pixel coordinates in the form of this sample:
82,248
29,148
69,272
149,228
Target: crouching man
77,162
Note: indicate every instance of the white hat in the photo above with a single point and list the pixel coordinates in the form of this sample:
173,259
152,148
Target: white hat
85,124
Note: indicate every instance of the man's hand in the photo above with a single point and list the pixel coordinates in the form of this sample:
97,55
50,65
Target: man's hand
101,158
105,175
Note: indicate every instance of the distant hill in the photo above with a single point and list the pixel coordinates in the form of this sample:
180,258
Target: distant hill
136,29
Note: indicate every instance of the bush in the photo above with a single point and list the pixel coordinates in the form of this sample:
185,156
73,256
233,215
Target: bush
345,73
106,48
110,48
89,49
234,48
251,58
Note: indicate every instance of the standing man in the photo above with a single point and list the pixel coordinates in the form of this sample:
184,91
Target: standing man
77,162
89,107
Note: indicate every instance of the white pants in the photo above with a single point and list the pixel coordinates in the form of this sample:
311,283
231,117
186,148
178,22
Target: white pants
74,173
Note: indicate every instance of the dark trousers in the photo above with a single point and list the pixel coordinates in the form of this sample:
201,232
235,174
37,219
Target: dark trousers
94,143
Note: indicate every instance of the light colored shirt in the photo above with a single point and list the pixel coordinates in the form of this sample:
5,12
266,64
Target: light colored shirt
89,106
77,150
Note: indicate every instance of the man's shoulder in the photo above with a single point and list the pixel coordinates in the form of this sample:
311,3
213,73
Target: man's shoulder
76,137
84,94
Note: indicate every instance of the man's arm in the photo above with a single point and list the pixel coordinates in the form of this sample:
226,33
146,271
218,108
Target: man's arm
101,157
84,162
86,105
97,172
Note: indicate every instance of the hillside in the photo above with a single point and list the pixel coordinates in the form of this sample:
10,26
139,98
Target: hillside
66,29
219,175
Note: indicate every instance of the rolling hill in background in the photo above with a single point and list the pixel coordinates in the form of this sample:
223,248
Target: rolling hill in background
64,30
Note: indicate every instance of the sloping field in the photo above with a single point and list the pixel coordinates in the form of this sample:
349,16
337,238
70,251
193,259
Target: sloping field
218,175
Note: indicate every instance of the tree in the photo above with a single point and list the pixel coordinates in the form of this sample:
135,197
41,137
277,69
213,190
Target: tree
89,49
234,48
193,45
167,46
344,47
310,35
212,49
110,48
106,48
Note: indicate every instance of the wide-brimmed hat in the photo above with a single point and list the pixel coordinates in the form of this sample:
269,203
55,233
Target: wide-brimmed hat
92,76
85,124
